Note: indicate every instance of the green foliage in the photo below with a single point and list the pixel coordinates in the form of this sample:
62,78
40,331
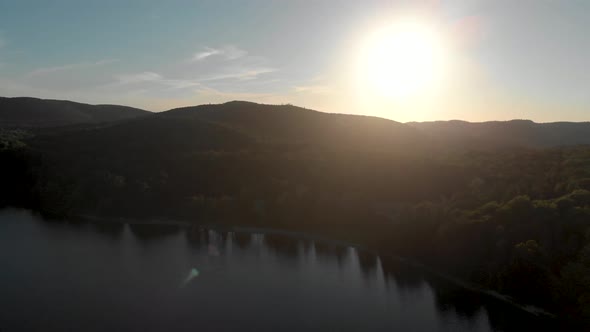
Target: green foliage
11,140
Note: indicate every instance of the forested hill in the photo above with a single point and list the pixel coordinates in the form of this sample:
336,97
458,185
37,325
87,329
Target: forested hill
292,124
522,133
33,112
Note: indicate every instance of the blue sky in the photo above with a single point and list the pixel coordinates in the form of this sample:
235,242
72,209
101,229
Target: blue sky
514,59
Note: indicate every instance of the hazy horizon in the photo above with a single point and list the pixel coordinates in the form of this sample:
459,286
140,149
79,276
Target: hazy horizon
307,108
477,61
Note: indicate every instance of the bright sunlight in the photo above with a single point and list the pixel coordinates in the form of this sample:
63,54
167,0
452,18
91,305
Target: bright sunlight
402,60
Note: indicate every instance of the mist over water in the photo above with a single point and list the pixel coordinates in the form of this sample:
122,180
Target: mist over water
99,277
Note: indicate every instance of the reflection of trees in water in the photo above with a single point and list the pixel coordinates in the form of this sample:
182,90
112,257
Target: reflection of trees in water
150,232
242,240
329,250
205,239
451,301
215,238
223,236
454,300
505,319
367,263
404,276
63,223
196,237
113,230
283,246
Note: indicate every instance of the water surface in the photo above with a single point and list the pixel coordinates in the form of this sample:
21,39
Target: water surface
114,277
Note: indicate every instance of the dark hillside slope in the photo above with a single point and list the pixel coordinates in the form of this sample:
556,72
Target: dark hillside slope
141,167
237,149
291,124
33,112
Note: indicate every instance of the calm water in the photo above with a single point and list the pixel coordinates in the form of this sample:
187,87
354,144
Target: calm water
115,277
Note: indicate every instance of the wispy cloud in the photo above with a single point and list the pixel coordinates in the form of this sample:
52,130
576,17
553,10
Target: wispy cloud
71,66
314,89
154,78
318,85
229,52
249,74
146,76
240,74
225,66
202,55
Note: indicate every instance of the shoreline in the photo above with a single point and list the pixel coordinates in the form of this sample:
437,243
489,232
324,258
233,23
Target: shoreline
539,312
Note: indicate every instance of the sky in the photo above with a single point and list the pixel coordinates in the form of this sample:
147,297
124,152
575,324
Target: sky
526,59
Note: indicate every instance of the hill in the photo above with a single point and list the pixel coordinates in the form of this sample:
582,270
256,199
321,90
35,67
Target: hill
522,133
225,150
296,125
33,112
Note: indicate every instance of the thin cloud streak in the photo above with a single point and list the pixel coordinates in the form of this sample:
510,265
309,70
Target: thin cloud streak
314,89
71,66
230,64
204,54
229,52
152,77
172,83
244,74
146,76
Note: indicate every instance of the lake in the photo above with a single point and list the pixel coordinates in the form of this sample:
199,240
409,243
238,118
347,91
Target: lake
59,276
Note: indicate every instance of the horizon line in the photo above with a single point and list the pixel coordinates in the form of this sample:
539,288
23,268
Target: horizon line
293,105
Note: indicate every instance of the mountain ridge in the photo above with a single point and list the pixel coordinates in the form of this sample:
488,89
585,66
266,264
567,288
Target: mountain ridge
512,132
291,123
36,112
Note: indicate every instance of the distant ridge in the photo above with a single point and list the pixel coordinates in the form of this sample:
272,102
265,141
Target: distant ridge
35,112
289,123
511,133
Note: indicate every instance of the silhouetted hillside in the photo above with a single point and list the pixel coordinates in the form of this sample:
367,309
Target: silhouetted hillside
33,112
291,124
523,133
226,150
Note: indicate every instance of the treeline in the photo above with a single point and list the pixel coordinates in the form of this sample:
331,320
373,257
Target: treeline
521,227
27,182
18,178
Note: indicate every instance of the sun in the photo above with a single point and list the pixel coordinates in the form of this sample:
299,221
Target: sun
402,60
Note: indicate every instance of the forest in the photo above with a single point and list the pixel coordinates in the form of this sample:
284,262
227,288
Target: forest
511,217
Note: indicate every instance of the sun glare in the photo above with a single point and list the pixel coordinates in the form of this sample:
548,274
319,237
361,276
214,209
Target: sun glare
402,60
